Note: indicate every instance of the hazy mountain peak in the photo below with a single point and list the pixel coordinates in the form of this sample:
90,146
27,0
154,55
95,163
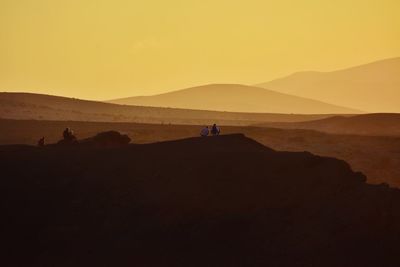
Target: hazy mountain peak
236,98
372,87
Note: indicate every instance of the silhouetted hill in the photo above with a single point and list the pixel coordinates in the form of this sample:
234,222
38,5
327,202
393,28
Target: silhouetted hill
378,157
104,139
45,107
371,87
217,201
369,124
235,98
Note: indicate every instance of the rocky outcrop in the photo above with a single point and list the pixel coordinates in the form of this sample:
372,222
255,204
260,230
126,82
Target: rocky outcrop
214,201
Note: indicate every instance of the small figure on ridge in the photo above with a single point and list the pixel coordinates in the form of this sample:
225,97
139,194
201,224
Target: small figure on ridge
68,135
215,130
204,132
41,142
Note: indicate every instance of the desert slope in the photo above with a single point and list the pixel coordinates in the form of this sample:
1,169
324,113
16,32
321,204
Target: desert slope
235,98
372,87
183,201
378,157
28,106
379,124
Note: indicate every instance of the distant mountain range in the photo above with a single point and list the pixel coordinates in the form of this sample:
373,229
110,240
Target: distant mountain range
28,106
235,98
373,87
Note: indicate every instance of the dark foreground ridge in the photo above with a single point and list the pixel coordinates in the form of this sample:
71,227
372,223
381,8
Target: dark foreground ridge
215,201
103,140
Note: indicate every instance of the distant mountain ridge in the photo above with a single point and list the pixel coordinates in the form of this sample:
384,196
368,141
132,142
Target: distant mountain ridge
373,87
27,106
235,98
380,124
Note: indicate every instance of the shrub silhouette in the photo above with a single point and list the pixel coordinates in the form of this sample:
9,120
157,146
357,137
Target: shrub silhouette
107,139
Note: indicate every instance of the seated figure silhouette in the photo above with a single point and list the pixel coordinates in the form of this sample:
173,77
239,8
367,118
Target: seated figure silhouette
68,136
215,130
204,132
41,142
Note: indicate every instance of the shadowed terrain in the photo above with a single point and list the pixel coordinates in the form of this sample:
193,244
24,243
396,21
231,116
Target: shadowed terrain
180,203
369,124
236,98
378,157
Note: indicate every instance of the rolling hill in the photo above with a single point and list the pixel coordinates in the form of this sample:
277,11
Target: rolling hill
378,157
372,87
46,107
369,124
235,98
180,203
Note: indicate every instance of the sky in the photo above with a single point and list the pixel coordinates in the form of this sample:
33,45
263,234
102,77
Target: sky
98,49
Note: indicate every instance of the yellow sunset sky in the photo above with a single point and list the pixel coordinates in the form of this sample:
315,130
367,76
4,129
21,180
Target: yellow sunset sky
97,49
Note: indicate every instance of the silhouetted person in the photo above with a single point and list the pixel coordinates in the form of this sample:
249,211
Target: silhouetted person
204,132
41,142
68,135
215,130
